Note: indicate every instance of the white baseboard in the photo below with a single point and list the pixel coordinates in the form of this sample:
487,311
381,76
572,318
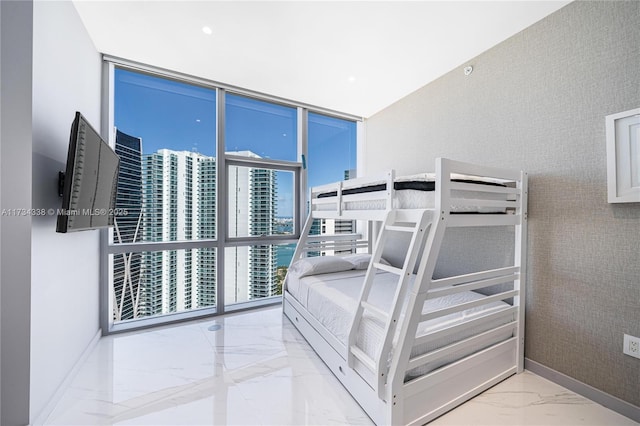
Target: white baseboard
596,395
53,401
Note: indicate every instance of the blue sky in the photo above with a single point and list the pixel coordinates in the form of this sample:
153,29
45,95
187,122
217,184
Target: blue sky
182,117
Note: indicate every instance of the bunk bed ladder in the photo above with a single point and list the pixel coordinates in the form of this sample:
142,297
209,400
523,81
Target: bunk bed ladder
378,365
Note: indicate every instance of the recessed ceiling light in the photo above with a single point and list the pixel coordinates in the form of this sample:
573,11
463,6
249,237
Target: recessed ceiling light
207,30
352,79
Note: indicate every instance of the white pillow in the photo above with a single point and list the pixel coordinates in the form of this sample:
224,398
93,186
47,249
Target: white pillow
319,265
361,260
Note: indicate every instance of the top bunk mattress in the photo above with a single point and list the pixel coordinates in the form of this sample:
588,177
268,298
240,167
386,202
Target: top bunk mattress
417,192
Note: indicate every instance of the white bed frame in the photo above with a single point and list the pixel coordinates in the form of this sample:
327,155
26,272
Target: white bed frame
381,390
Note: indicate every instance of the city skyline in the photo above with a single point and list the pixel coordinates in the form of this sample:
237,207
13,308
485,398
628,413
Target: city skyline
171,196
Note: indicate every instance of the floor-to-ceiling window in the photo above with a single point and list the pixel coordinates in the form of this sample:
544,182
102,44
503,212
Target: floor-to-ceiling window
212,187
165,134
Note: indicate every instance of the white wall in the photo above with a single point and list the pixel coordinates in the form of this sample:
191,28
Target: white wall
65,267
15,193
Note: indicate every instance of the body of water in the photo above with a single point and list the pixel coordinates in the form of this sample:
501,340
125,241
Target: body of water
284,225
284,254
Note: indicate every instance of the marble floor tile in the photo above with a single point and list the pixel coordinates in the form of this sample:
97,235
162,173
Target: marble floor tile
528,399
254,368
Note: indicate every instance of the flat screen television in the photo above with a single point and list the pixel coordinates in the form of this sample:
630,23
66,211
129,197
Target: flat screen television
89,184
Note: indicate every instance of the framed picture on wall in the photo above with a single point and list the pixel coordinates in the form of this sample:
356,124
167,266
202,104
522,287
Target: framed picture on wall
623,156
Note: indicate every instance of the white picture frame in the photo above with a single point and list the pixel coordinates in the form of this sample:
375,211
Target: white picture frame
623,156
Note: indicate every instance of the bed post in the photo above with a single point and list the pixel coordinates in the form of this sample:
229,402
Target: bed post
520,259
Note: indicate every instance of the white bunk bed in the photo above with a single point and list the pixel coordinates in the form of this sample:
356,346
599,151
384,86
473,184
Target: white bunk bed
409,347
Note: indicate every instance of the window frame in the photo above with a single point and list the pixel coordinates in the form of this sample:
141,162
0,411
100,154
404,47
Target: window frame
223,161
279,165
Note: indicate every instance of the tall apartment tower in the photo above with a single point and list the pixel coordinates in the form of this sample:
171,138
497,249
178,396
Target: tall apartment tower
263,258
171,202
251,212
128,227
206,229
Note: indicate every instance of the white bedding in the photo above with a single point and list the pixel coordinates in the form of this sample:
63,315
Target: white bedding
332,300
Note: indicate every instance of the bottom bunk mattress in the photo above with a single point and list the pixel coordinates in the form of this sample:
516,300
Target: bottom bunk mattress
332,298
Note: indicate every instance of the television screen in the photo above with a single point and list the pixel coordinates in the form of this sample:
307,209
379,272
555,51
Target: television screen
90,180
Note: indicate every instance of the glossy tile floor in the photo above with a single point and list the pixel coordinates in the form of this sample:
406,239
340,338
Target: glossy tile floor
256,369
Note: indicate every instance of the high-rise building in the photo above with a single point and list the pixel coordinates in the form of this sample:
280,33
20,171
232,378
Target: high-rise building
250,271
171,213
128,226
206,229
263,258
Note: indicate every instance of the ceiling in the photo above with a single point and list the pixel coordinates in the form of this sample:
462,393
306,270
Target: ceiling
355,57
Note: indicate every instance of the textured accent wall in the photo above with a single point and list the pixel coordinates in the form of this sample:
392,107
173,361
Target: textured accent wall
537,102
